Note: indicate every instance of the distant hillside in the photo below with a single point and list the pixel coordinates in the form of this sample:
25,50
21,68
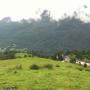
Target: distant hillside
45,33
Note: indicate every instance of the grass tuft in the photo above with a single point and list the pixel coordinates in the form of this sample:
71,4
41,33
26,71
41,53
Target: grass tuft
48,66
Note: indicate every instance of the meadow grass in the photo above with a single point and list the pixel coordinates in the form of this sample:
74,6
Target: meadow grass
63,76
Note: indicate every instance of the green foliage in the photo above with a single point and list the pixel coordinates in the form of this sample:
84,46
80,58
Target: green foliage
7,53
73,60
85,65
25,56
29,55
58,56
22,55
72,57
34,67
15,71
57,65
46,34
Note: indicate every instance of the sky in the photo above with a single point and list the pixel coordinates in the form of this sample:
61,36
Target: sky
19,9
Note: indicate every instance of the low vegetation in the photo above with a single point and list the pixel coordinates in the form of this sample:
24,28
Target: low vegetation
34,73
34,67
48,66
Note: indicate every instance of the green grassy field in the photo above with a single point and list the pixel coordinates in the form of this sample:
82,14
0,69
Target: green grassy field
63,76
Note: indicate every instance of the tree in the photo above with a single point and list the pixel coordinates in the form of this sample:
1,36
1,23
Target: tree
6,19
58,55
45,16
72,58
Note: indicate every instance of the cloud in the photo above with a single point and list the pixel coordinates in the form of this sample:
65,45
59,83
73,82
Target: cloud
18,9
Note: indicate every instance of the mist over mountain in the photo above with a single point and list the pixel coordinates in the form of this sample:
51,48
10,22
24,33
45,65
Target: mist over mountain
46,34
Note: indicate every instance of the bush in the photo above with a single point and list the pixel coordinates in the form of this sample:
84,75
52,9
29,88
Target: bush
25,56
29,55
73,60
34,67
48,66
85,65
57,65
15,72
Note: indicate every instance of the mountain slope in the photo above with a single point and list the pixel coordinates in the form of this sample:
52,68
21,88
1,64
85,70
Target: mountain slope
48,36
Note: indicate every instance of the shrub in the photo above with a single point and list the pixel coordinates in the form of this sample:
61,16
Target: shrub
34,67
25,56
48,66
29,55
73,60
15,72
57,65
85,65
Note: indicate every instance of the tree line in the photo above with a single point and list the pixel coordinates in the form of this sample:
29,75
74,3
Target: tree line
81,55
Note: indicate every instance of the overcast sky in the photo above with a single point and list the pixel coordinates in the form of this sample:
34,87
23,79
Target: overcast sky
18,9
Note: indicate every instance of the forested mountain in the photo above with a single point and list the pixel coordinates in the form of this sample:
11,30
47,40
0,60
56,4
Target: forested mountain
45,34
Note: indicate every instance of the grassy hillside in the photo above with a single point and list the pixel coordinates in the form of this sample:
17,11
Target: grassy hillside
63,76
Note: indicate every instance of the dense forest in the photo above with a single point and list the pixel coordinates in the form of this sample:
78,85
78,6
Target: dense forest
45,34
